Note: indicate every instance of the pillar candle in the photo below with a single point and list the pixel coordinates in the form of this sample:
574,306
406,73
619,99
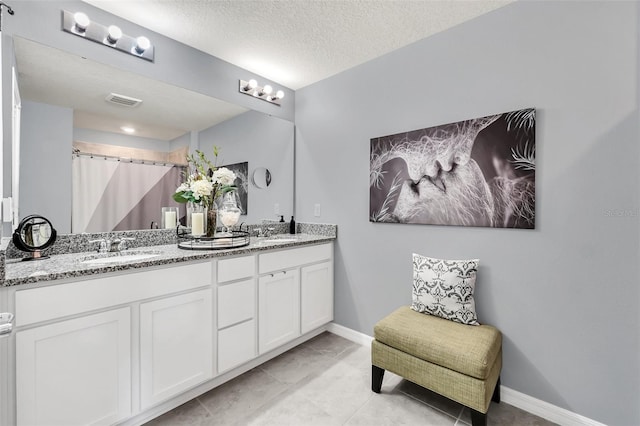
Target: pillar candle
170,219
197,223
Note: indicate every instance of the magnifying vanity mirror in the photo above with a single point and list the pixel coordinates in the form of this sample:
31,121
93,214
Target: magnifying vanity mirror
64,109
34,234
261,177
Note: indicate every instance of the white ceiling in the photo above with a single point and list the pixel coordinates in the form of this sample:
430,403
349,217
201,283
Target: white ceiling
298,42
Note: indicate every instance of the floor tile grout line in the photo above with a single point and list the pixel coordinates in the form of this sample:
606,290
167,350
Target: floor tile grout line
204,406
358,410
459,421
428,405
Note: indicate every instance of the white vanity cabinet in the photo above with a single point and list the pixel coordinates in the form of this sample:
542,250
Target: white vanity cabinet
236,313
83,347
124,347
75,372
295,293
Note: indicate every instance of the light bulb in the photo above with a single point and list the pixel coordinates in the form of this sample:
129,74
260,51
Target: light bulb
279,94
142,44
267,89
251,84
82,21
113,34
128,129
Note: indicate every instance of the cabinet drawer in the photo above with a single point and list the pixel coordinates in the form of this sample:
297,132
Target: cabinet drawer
45,303
236,345
286,259
236,268
236,302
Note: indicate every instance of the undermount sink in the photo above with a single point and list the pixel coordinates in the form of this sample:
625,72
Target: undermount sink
279,240
113,258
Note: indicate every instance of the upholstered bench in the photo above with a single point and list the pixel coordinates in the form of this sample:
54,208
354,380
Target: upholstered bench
461,362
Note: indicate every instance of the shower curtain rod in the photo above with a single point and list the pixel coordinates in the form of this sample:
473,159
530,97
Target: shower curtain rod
126,160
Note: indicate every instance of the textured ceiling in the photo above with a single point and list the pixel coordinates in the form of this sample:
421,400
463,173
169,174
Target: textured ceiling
297,42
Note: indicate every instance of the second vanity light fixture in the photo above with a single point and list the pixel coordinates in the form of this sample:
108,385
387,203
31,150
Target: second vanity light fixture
265,93
79,24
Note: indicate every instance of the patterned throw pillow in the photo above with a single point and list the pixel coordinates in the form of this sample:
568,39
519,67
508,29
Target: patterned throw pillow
444,288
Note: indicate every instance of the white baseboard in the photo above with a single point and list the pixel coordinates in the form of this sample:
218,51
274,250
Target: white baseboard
349,334
509,396
543,409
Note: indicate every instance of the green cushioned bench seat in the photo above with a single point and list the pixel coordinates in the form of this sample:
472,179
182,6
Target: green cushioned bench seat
461,362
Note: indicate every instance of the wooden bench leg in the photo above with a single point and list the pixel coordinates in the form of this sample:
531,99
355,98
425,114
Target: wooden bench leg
496,392
377,374
478,418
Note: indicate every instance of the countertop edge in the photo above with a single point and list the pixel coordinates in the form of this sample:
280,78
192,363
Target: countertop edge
37,275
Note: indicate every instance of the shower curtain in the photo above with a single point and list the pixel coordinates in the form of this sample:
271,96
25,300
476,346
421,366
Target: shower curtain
111,195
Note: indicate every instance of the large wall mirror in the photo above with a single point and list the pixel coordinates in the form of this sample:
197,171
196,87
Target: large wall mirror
82,169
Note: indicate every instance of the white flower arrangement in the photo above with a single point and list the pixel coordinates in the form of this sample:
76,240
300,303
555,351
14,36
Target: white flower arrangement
224,176
206,182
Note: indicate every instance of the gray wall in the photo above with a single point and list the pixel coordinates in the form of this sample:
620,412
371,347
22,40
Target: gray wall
45,167
566,294
180,142
263,141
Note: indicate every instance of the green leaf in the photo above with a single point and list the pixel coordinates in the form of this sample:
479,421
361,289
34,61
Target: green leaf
179,197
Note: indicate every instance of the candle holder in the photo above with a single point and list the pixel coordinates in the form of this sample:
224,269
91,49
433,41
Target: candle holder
197,219
169,218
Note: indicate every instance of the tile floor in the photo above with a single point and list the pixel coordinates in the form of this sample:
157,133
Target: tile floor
327,381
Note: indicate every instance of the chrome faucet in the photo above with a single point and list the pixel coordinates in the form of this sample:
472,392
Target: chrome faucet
264,232
104,245
120,244
117,245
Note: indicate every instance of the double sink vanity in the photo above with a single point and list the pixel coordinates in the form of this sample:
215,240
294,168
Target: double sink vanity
119,338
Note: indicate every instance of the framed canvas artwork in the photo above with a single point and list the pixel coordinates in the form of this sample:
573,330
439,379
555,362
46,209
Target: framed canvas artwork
478,172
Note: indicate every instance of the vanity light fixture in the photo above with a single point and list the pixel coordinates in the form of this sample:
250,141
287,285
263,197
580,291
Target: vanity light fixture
79,24
252,88
127,129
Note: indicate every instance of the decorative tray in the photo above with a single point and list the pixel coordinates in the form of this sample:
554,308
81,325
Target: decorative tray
221,241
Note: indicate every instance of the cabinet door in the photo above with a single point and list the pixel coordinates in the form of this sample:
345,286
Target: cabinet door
278,309
176,345
75,372
236,345
316,296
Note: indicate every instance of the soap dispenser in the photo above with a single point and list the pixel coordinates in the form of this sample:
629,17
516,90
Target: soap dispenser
292,226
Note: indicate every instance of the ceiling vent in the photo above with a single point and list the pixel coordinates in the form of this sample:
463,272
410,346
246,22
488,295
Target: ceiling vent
127,101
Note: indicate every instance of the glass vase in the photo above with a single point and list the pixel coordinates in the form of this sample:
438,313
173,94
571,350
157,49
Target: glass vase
212,218
197,219
169,217
228,212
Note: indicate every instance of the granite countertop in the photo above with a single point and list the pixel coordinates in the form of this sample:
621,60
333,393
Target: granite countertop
71,265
